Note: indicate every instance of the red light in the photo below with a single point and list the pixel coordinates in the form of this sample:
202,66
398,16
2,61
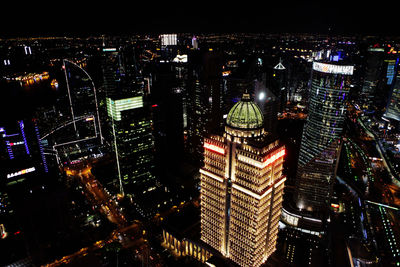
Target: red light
17,232
275,157
154,106
214,148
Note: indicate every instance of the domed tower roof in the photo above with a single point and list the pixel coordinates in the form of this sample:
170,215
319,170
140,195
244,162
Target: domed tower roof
245,115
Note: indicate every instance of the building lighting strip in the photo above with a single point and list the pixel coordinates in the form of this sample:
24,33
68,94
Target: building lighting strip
214,148
22,126
115,107
75,141
209,174
9,150
121,188
248,192
264,164
303,217
69,93
21,172
280,182
68,123
41,147
382,205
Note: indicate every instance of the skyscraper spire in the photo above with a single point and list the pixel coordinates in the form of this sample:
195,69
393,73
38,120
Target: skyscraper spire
279,66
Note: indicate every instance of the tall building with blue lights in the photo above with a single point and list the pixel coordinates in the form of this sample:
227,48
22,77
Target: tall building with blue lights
320,143
22,151
393,105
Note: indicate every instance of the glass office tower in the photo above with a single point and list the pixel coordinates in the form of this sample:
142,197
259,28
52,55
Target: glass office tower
242,187
133,144
320,144
373,72
393,106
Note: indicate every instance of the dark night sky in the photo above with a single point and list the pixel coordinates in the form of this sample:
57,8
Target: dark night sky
115,17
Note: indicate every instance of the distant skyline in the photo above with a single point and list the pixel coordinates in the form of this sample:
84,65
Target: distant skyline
117,17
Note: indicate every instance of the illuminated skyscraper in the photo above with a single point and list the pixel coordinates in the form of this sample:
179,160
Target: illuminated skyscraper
22,151
133,144
241,187
393,106
320,143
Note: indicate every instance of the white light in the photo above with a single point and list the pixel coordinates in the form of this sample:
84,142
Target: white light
21,172
334,69
261,96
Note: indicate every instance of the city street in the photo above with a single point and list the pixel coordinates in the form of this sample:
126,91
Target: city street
130,236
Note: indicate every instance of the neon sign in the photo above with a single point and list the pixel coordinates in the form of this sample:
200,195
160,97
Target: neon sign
214,148
334,69
21,172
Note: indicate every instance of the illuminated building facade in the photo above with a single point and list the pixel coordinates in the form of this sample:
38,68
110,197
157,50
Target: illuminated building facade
393,106
391,69
133,144
82,98
320,143
169,39
241,187
22,151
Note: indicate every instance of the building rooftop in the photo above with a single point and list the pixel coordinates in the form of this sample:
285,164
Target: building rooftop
245,114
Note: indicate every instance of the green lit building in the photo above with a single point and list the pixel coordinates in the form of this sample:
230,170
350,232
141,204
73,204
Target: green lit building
133,143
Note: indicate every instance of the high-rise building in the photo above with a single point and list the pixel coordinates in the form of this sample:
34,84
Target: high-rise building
82,98
22,152
269,104
203,98
373,71
133,144
112,70
320,143
393,106
241,187
169,39
279,84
